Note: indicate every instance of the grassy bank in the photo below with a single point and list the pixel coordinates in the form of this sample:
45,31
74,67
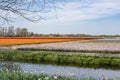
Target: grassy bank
18,75
7,75
59,58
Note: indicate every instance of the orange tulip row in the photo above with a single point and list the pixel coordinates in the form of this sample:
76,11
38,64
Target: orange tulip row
14,41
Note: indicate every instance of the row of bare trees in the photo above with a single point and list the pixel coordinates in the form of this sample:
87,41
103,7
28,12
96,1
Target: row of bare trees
13,32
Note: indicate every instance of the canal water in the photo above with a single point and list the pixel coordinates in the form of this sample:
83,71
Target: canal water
52,69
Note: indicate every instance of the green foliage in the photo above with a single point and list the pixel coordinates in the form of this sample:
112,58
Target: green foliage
59,58
18,75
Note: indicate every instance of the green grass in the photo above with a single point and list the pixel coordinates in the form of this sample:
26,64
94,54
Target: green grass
20,75
6,75
59,58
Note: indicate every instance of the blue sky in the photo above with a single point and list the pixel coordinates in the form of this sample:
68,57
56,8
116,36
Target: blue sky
94,17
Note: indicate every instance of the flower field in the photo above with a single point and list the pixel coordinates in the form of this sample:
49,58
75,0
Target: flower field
90,45
14,41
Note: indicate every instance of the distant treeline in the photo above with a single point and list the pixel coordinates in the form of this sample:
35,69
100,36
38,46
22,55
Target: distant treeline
73,35
23,32
13,32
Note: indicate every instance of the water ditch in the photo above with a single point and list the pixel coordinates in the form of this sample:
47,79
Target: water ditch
64,70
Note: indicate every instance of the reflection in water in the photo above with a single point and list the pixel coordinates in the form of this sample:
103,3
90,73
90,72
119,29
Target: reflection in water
61,70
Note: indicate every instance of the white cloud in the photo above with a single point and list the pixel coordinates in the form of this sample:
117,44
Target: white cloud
77,12
87,10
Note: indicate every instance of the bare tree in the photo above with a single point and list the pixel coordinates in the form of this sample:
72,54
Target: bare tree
1,31
24,32
10,31
18,32
28,9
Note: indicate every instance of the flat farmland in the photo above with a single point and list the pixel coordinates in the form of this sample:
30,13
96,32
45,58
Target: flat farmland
99,44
